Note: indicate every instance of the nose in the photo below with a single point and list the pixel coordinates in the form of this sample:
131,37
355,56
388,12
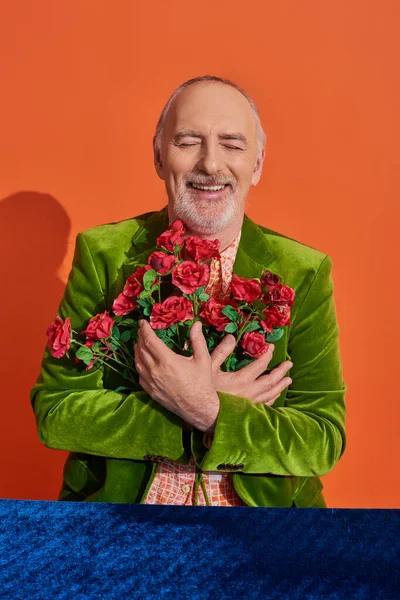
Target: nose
211,159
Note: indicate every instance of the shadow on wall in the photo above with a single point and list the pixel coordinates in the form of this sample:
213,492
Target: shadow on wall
34,230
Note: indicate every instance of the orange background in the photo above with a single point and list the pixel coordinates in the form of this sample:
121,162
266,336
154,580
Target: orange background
82,86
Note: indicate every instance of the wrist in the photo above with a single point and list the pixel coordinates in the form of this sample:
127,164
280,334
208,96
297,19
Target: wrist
212,416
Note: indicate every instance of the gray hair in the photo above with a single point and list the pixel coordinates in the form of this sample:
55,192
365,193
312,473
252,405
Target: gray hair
157,138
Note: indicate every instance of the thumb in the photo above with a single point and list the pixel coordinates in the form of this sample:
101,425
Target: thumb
223,350
198,340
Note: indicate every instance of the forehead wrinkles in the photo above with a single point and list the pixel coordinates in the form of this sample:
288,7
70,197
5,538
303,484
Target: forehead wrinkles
210,110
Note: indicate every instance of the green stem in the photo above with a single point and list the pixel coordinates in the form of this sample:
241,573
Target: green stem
242,331
99,354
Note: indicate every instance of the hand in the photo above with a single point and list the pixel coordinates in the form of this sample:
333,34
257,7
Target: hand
247,382
182,384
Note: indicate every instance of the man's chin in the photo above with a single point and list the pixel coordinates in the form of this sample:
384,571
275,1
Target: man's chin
205,216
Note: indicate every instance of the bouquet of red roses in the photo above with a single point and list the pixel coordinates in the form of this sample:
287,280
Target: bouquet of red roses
170,292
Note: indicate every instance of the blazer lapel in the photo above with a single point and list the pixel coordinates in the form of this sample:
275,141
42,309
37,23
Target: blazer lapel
254,255
144,241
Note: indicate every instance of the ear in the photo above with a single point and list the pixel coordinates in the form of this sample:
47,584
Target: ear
258,168
158,163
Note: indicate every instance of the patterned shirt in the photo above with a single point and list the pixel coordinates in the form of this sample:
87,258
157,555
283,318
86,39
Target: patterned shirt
175,483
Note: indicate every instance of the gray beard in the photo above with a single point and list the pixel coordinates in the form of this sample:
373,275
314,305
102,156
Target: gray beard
205,216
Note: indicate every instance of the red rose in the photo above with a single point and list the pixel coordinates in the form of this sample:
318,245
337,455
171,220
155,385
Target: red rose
99,327
123,305
275,316
282,295
254,344
174,235
269,279
188,276
59,334
245,289
174,309
162,262
213,315
199,249
134,283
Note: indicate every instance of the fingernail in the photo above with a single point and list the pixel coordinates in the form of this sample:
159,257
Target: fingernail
141,323
272,347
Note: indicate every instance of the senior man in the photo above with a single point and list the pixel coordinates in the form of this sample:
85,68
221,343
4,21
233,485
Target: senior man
195,434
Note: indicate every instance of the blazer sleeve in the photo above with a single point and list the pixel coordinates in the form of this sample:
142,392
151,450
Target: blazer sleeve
75,412
306,436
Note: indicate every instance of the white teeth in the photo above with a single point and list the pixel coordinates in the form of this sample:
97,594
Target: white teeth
211,188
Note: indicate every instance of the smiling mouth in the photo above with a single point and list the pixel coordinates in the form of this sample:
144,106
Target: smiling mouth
208,188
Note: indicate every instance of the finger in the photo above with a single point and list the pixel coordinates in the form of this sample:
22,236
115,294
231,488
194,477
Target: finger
272,401
274,392
151,341
199,344
276,374
144,356
222,351
266,383
258,366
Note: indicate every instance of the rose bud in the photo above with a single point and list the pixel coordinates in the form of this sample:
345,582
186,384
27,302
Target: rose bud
269,280
162,262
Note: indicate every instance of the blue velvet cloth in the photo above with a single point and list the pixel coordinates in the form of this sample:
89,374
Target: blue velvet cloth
54,550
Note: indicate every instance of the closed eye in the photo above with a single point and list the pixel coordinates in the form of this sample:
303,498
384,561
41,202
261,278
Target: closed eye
185,145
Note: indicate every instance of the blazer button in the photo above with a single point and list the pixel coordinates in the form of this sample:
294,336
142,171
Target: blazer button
230,467
153,457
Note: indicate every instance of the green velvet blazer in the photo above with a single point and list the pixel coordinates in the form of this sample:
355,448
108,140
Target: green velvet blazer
115,439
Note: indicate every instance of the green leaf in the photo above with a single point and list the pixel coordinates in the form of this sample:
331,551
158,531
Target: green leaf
233,362
243,363
148,279
126,336
230,312
114,344
85,354
211,343
258,305
251,326
168,342
231,328
115,333
96,346
145,301
275,335
125,374
200,290
144,294
203,296
162,334
171,330
126,322
122,388
147,311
